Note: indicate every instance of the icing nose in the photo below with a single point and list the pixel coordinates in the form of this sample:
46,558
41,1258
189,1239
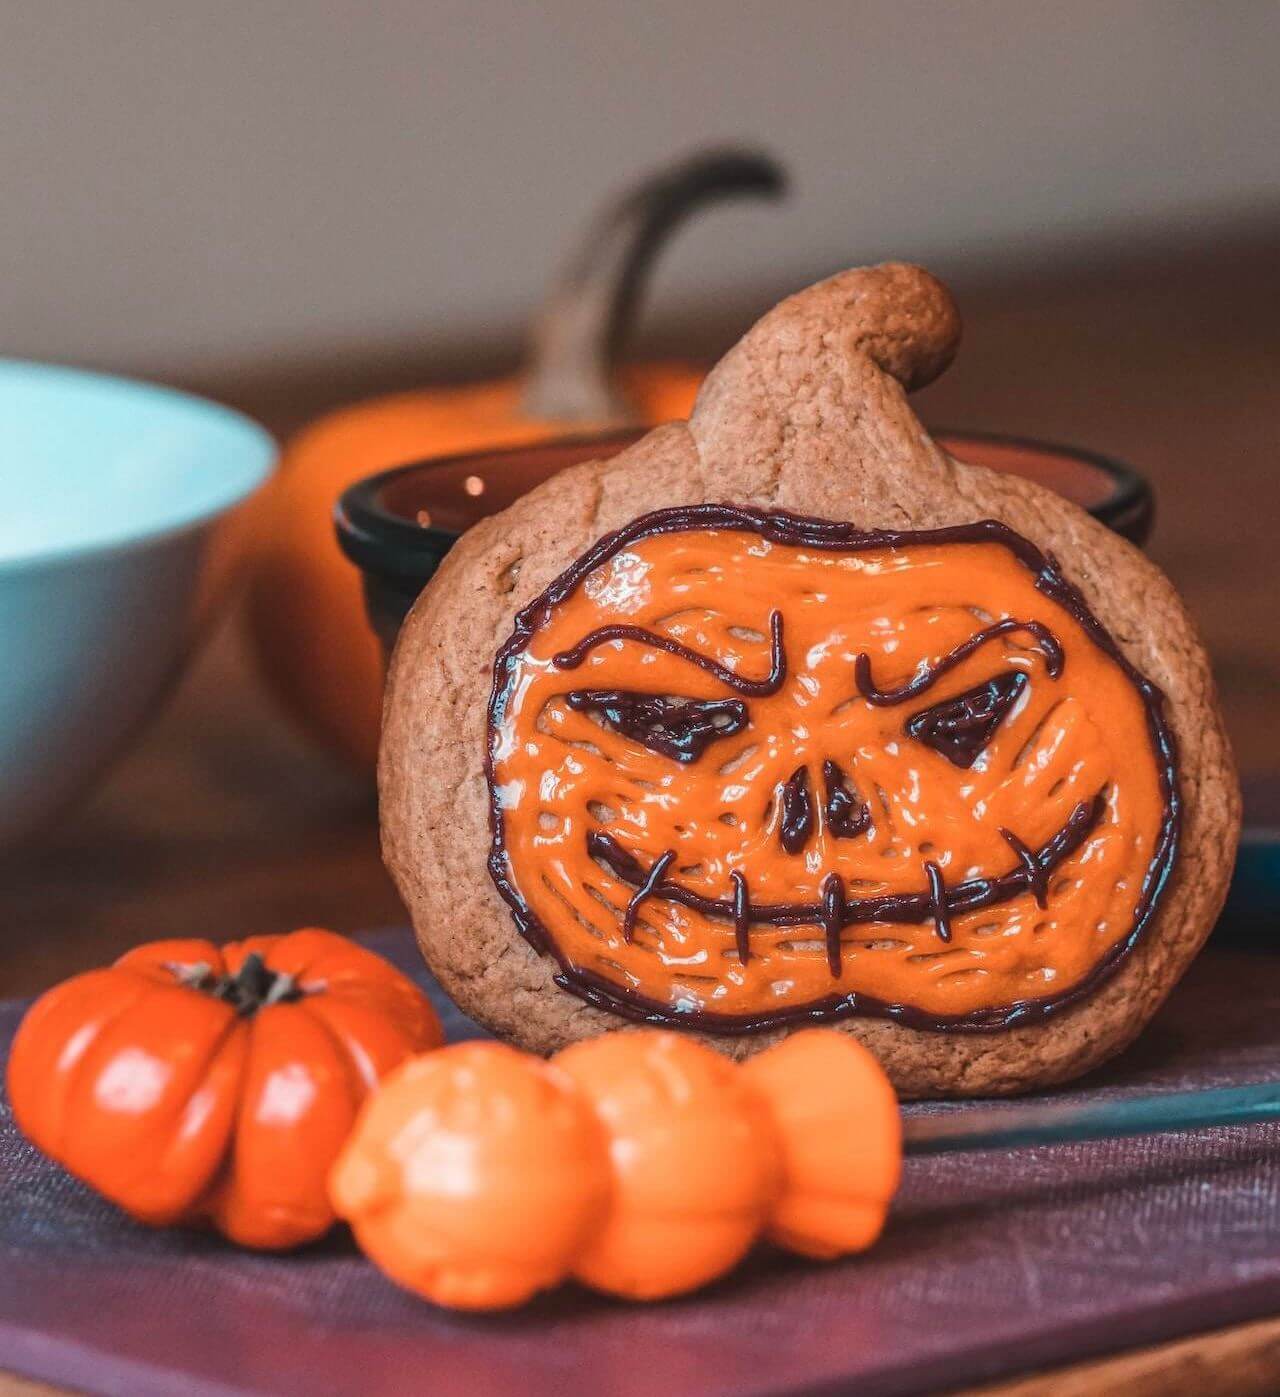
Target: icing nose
797,811
844,816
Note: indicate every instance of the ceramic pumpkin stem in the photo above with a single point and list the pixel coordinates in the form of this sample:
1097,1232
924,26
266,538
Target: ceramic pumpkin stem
579,334
254,986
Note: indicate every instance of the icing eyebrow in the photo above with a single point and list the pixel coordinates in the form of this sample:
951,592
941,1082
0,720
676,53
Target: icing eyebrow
928,675
752,688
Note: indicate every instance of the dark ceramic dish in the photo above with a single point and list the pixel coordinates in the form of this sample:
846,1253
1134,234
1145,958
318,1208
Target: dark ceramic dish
396,526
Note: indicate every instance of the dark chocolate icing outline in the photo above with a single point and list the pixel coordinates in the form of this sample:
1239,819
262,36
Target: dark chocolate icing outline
800,531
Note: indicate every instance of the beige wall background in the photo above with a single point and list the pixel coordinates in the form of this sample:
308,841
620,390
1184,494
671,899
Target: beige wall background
215,183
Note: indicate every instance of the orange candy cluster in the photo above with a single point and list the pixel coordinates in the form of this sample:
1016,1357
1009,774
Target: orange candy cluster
640,1163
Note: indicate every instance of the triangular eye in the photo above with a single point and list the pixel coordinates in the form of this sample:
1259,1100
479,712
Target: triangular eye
678,728
962,726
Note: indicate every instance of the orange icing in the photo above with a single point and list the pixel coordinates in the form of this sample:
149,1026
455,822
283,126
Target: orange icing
560,774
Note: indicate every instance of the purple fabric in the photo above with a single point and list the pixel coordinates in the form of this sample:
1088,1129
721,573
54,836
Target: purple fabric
992,1264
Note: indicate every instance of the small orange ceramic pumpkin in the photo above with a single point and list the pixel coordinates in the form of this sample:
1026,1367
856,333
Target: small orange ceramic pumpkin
695,1166
474,1177
836,1120
189,1083
306,612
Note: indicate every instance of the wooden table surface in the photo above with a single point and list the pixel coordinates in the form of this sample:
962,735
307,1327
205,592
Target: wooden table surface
223,822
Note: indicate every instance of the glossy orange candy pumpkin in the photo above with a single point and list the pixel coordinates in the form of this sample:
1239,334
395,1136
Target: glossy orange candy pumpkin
191,1083
475,1176
695,1164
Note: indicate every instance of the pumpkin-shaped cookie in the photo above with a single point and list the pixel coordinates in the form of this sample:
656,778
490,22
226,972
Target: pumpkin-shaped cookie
784,717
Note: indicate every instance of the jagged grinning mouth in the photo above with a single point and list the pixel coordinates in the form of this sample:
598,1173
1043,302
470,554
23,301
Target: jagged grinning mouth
937,903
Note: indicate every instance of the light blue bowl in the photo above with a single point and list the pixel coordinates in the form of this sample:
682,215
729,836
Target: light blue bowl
118,510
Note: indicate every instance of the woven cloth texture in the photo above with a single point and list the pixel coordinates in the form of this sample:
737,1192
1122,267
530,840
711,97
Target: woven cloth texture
992,1264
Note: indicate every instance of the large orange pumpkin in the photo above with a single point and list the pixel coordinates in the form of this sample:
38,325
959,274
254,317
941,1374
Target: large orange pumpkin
306,611
189,1083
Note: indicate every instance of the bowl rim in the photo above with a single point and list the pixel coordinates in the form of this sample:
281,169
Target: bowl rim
373,536
378,540
1131,504
259,454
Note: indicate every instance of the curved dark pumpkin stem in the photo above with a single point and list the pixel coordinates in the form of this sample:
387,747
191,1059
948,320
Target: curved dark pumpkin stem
254,986
583,326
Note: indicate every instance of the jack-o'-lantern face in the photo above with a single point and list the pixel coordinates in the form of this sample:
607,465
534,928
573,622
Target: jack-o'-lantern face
747,768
